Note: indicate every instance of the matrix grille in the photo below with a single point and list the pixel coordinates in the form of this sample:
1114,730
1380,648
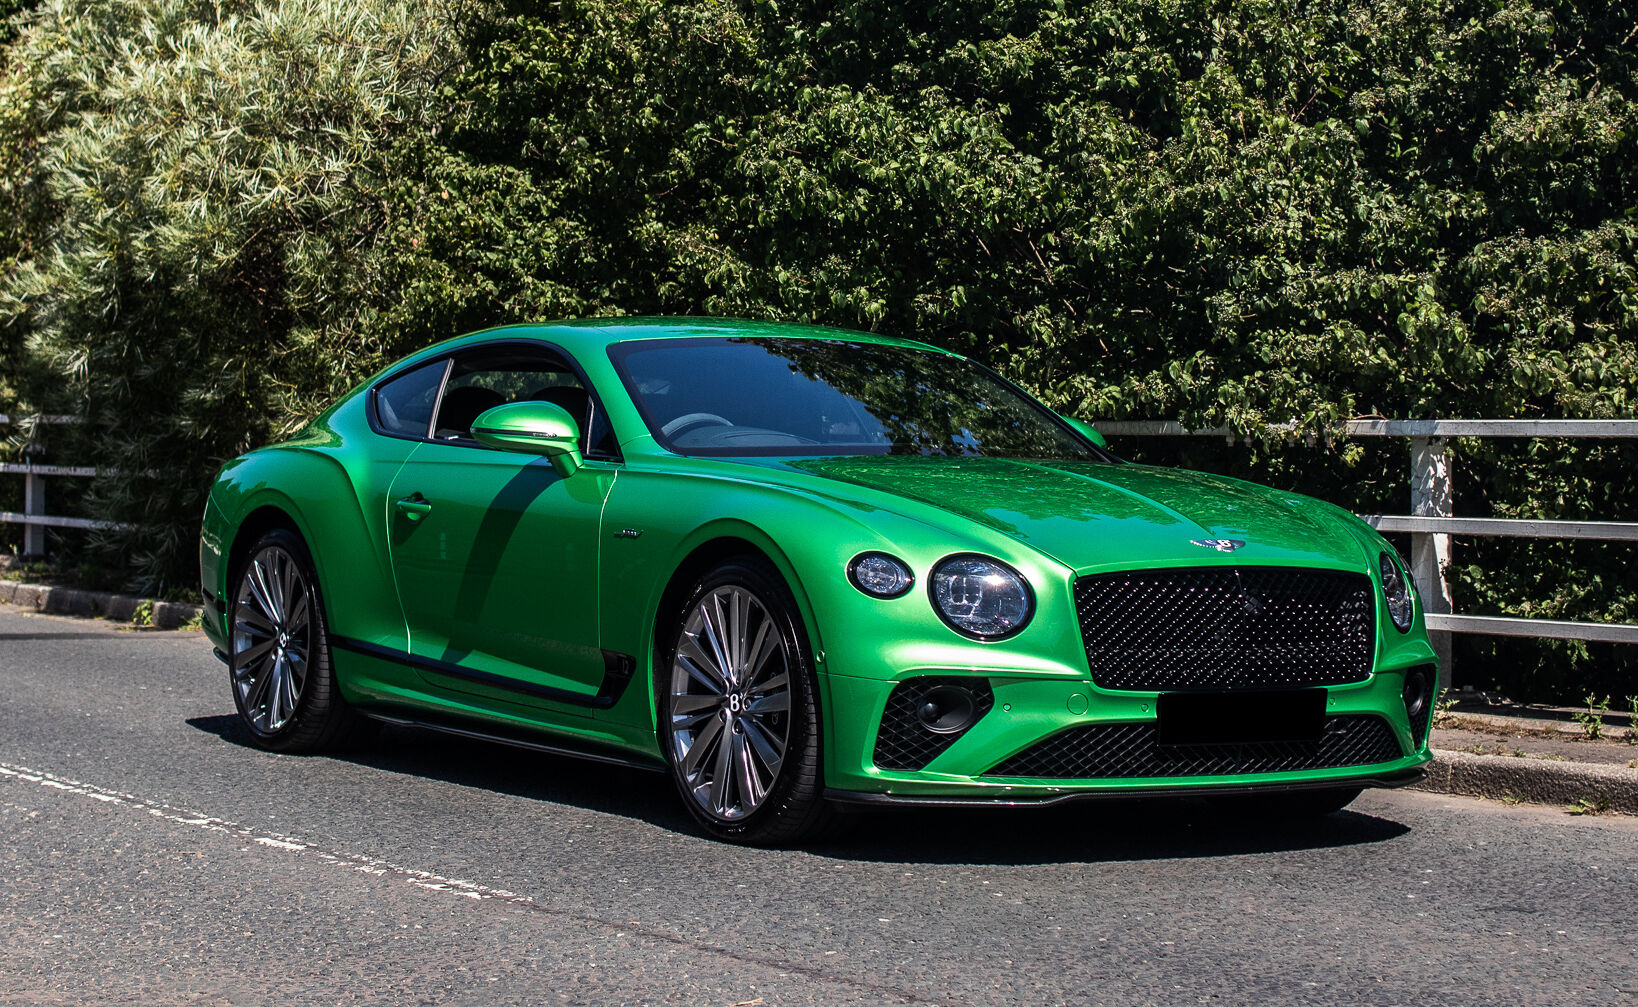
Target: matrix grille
1128,751
1217,628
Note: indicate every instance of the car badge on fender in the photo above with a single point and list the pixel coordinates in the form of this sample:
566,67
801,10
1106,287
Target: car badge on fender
1220,544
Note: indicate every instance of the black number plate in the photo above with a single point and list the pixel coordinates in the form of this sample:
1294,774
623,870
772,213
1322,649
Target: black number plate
1240,718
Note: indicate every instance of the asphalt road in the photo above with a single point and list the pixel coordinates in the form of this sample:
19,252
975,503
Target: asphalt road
151,856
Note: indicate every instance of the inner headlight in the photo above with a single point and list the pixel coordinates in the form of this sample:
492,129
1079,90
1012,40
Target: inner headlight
1397,592
981,597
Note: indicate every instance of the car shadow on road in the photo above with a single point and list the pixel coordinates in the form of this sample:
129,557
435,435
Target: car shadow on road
498,768
1095,831
1081,832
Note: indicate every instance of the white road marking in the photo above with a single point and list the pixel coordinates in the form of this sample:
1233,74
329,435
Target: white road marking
182,816
422,879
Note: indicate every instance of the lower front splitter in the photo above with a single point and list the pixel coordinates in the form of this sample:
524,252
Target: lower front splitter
1400,778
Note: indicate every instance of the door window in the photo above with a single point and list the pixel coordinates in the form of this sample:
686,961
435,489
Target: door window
489,376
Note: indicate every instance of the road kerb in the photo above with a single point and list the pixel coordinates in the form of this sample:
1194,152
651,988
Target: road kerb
1534,781
94,604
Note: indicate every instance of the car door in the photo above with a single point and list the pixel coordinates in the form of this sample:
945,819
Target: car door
495,555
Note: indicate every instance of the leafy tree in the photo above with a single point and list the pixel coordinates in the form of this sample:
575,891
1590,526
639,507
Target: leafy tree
215,174
1219,212
1224,213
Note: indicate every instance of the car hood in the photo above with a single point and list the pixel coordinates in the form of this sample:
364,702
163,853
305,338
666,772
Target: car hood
1090,515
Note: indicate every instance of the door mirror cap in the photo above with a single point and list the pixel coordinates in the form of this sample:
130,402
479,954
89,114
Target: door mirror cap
1086,430
532,428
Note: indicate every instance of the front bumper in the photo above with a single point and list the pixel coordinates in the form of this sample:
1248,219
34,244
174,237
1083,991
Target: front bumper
1028,710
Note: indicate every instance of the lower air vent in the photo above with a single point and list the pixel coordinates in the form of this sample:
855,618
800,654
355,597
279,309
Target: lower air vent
1131,751
925,716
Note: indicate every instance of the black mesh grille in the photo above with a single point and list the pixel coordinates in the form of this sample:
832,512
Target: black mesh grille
1127,751
1215,628
1419,725
902,743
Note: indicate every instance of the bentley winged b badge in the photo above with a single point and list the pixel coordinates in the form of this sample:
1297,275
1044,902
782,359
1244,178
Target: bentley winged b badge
1220,544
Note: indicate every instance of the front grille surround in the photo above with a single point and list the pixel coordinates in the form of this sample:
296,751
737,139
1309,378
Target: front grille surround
1226,627
1131,750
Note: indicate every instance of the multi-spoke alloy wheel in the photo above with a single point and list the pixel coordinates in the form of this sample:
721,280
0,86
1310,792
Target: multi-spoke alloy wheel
279,660
730,703
738,715
272,639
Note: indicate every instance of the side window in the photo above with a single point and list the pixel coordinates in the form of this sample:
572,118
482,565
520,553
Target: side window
404,404
489,376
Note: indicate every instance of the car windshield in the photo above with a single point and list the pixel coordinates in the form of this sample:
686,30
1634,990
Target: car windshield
810,397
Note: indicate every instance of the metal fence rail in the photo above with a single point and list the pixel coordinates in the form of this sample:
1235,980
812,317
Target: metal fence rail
33,516
1430,524
1432,521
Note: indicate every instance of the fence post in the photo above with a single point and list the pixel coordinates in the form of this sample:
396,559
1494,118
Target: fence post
33,503
1430,554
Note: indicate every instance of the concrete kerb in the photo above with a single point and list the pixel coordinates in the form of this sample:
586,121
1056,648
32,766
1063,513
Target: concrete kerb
95,604
1537,726
1533,781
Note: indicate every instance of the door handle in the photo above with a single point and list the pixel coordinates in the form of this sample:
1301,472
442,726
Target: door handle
414,507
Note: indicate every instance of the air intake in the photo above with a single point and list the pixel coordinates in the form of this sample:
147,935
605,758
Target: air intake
925,716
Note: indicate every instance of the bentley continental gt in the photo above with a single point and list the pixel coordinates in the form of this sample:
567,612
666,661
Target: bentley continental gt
795,568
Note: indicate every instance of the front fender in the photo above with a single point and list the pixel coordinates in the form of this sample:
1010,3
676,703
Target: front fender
655,520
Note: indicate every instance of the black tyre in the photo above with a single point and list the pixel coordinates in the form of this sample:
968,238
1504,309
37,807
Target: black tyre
279,651
738,709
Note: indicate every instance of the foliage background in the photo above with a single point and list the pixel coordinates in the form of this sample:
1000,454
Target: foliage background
219,215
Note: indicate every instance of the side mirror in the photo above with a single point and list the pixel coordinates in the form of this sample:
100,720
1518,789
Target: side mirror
1086,430
532,428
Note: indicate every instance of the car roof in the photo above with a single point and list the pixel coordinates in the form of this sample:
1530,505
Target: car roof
590,335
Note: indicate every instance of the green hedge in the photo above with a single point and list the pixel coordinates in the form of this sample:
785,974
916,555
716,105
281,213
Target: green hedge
1209,211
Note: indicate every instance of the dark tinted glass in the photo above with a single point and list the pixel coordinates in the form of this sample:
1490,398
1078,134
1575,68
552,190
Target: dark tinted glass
404,404
490,376
770,396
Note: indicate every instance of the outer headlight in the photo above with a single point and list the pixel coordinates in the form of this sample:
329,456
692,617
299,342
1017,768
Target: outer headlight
981,597
1397,593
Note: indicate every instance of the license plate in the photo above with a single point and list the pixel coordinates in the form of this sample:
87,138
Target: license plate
1240,718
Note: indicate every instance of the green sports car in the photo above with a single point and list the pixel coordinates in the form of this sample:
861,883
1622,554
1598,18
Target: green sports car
797,567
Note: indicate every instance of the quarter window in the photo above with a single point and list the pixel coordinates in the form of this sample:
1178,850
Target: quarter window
404,405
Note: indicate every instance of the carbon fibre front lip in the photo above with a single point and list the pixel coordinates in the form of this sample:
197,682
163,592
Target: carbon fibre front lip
1401,778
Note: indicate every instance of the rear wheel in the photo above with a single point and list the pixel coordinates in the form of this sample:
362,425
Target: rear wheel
284,686
739,718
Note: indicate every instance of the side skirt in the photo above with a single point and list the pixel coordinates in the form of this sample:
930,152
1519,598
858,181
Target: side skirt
590,751
617,672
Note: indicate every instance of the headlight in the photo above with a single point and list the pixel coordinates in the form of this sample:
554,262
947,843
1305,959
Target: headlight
1397,592
981,597
880,575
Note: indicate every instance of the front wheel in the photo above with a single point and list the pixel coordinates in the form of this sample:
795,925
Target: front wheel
284,686
739,718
